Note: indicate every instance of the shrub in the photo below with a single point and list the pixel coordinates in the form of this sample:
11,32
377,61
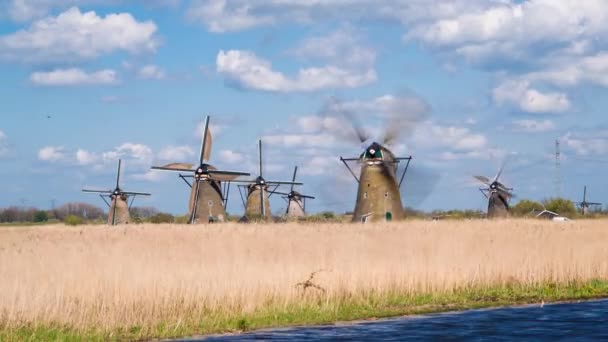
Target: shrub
73,220
524,207
560,206
162,218
41,216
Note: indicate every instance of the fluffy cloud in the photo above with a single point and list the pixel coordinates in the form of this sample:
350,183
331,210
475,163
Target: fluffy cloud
176,153
533,126
587,143
246,70
51,153
300,140
237,15
591,69
521,95
343,47
74,35
151,72
3,144
515,30
231,157
433,135
84,157
74,77
137,153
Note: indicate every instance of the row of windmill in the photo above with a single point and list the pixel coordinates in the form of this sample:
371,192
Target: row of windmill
378,197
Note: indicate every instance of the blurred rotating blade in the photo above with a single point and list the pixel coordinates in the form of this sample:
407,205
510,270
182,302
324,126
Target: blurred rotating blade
485,180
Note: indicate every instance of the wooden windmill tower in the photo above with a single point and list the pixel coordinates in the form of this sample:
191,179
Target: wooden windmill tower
259,191
296,202
209,186
118,205
584,205
497,193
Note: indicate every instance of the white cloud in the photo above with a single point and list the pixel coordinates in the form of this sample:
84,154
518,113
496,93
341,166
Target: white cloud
533,126
318,165
74,77
74,35
432,135
150,176
137,153
312,124
84,157
592,69
220,18
3,144
530,100
237,15
151,72
516,30
51,153
245,69
300,140
176,153
231,157
343,47
23,10
587,142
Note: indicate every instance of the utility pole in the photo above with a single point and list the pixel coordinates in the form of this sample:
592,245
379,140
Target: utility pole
558,174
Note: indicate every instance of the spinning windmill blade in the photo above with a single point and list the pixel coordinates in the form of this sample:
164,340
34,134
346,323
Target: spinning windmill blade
584,205
497,193
206,179
118,195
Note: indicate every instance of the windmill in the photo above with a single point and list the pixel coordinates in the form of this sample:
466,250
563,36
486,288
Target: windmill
210,187
379,184
296,202
118,212
584,205
257,204
497,193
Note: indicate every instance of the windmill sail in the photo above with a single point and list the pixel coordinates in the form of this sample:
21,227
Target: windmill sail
118,212
208,196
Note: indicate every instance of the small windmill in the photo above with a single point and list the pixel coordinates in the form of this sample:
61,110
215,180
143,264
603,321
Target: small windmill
296,202
209,187
584,205
497,193
259,191
118,206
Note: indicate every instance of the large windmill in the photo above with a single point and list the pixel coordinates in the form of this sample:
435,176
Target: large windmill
584,205
378,194
118,212
209,186
381,173
497,193
296,202
257,203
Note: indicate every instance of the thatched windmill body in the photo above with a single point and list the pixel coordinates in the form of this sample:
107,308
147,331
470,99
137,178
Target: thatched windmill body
379,191
497,193
584,205
209,186
296,202
259,191
118,205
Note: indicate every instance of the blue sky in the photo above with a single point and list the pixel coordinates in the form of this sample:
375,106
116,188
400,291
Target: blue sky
469,83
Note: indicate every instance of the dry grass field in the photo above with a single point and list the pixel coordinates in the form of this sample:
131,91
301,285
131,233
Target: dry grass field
141,277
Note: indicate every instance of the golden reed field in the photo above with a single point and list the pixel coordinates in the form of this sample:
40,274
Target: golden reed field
97,276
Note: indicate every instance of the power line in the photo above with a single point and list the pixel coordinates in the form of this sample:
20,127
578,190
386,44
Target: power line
558,174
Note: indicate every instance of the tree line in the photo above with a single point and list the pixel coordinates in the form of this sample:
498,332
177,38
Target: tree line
78,213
